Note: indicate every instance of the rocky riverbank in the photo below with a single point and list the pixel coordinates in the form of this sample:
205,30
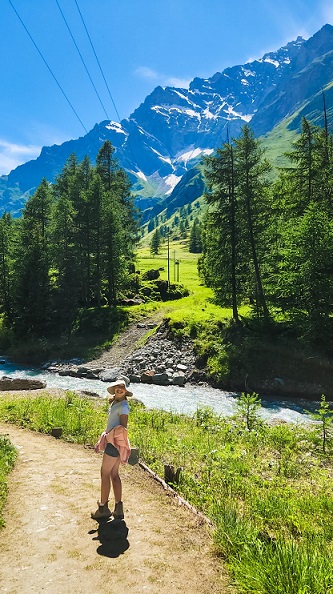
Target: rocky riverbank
161,361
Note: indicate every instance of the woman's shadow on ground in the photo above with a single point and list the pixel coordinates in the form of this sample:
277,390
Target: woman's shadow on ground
112,534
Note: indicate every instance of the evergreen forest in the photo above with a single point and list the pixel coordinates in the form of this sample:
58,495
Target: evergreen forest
72,248
268,240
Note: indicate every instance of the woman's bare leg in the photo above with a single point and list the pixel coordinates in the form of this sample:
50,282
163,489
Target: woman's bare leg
107,471
116,481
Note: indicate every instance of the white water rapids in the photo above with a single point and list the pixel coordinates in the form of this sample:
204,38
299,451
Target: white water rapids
178,399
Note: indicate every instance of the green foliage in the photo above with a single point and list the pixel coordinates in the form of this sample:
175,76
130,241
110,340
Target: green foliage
80,420
73,248
155,243
195,243
31,292
161,290
235,241
248,407
8,457
324,416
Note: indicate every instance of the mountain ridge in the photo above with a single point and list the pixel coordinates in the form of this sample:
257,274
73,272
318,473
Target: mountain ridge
168,133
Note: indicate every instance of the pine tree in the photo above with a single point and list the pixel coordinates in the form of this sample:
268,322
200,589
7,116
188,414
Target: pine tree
234,236
252,184
306,274
303,210
119,226
7,242
218,263
66,275
32,288
310,176
155,243
195,244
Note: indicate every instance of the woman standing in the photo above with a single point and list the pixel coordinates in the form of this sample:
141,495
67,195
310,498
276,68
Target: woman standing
116,447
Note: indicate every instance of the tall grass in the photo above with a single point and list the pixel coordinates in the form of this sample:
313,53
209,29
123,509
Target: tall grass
81,419
267,490
8,457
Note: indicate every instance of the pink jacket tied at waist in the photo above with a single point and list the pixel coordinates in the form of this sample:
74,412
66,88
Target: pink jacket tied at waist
119,438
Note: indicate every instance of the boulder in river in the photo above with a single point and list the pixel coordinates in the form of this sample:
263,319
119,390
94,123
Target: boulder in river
17,383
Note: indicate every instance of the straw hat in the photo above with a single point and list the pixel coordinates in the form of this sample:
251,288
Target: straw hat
122,381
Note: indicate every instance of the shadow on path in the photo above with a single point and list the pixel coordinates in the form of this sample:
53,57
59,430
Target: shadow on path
112,534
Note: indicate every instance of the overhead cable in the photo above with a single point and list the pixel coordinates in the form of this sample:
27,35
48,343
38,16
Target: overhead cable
99,65
129,142
82,60
49,68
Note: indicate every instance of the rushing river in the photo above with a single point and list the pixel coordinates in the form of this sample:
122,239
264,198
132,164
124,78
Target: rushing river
171,398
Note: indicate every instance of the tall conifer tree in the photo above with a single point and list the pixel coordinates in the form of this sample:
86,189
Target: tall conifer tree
32,297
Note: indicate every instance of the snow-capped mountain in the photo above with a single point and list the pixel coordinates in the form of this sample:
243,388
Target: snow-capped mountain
169,132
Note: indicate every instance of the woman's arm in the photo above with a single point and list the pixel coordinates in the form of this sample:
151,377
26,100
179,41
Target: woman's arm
123,420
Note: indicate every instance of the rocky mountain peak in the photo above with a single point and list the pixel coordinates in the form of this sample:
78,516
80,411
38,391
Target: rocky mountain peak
169,132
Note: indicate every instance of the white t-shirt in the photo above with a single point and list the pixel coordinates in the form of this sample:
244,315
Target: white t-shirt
116,409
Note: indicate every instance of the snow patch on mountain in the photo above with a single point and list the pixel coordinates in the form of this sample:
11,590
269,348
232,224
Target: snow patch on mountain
208,114
274,62
177,92
141,175
248,72
235,114
116,127
191,113
171,181
165,159
195,152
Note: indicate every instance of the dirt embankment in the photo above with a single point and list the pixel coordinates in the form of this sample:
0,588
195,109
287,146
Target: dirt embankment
51,545
127,343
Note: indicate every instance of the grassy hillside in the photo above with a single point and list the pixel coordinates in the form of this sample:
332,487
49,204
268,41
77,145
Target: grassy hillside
277,143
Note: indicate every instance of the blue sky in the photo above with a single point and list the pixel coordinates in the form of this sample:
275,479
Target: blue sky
139,44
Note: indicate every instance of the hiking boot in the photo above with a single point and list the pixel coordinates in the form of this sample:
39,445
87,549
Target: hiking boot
102,511
118,512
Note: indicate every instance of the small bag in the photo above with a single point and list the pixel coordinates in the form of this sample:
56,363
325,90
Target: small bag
134,456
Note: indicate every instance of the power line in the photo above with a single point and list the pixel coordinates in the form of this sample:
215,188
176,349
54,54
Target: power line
49,68
100,67
58,83
83,62
129,142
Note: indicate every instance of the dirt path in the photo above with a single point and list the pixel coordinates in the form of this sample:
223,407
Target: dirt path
127,342
51,545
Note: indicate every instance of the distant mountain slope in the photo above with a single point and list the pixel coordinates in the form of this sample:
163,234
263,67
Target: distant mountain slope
309,73
168,133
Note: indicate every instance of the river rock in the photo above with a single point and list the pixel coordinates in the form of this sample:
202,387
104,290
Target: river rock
10,384
181,367
162,379
134,379
147,377
110,375
179,379
168,361
87,372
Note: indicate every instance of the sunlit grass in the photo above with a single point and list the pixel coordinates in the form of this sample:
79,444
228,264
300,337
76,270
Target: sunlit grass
8,457
186,272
